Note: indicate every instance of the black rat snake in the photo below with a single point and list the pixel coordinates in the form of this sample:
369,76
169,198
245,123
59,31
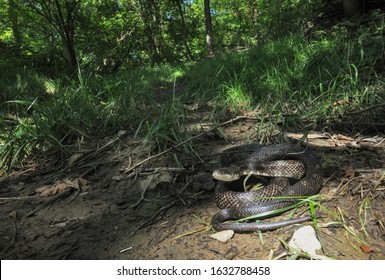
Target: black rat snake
250,159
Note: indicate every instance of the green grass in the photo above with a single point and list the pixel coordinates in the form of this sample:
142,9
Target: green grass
291,81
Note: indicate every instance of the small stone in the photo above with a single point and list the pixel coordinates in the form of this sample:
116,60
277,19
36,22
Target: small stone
305,240
223,236
117,177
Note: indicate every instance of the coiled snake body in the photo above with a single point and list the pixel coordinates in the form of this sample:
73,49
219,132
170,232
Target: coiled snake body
248,159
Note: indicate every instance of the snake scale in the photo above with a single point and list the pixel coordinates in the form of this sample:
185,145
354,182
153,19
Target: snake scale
248,159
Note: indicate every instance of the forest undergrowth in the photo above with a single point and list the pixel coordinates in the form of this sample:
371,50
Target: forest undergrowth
336,77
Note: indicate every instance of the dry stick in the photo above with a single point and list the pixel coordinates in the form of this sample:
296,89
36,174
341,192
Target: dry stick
50,178
188,140
52,199
379,143
97,151
153,170
374,187
17,197
367,109
150,220
142,195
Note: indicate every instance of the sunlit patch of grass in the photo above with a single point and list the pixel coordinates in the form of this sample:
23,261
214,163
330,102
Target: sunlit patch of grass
50,86
301,80
235,99
166,129
16,144
91,107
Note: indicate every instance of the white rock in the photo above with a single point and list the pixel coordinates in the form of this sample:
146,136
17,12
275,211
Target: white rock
305,240
223,236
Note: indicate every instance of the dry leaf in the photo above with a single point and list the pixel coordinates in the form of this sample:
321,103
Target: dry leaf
366,249
52,190
340,102
60,187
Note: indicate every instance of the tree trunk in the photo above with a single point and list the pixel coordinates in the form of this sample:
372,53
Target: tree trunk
254,18
61,15
209,29
149,13
14,23
184,30
67,22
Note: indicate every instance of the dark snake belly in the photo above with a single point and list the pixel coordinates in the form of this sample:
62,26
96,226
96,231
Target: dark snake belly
238,205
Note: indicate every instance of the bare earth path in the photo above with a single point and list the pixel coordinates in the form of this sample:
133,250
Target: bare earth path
93,209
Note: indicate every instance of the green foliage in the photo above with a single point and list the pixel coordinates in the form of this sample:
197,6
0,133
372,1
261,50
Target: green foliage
108,35
16,142
85,108
285,77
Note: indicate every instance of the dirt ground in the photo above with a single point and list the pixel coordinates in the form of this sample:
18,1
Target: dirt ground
95,206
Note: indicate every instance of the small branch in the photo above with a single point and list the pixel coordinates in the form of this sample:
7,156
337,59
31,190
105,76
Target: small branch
142,195
16,198
151,219
187,140
367,109
155,170
51,200
375,186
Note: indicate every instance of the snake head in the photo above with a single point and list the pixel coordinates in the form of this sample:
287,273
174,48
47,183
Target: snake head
227,174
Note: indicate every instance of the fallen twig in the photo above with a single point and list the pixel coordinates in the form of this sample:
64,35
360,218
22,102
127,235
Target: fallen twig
53,199
60,172
154,170
367,109
187,140
150,220
375,186
142,194
17,197
189,233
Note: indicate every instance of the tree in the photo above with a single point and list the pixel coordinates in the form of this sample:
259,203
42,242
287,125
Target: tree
209,29
150,16
61,15
108,35
14,19
184,29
